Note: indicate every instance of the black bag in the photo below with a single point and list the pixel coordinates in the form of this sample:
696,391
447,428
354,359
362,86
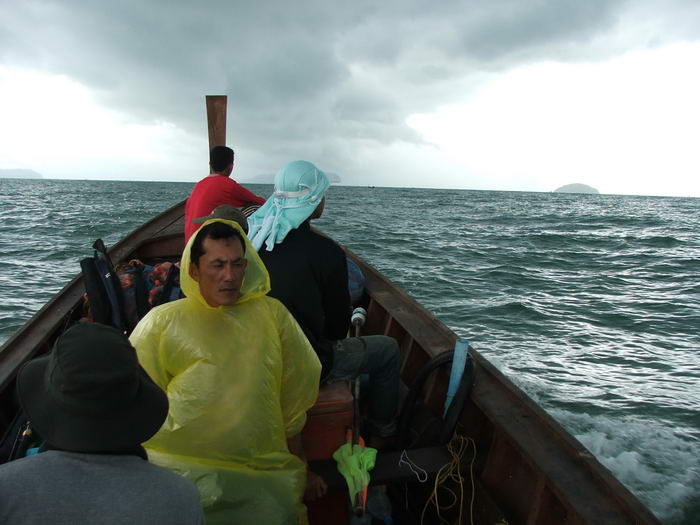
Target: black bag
106,299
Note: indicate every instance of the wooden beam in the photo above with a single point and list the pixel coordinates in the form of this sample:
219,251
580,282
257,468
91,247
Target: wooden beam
216,120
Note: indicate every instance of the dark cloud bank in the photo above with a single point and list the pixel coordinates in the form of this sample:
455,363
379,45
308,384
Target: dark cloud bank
320,80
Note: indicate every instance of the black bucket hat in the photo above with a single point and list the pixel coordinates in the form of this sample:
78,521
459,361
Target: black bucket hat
90,394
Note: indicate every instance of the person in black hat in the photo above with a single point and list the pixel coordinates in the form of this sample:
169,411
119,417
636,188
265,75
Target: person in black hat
94,405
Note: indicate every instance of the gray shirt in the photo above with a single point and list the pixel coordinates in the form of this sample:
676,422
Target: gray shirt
68,488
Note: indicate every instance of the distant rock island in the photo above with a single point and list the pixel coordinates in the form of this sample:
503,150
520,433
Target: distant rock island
269,178
576,188
19,174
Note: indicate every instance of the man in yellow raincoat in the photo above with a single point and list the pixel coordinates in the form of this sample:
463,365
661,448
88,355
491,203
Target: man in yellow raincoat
240,376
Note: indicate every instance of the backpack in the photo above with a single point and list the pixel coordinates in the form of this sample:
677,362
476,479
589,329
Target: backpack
121,296
104,300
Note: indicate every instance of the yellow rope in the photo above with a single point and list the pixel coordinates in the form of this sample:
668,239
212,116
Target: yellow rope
457,448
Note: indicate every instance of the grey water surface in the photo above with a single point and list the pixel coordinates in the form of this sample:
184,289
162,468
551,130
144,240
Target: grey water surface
590,303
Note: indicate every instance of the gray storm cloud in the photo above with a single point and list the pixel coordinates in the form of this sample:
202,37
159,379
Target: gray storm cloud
314,78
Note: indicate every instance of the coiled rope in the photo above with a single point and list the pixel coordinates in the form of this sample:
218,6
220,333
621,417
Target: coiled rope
451,471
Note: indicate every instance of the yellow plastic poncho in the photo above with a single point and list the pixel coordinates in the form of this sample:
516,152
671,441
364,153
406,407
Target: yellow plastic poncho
239,380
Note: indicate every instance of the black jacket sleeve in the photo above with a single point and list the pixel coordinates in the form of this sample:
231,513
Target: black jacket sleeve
336,298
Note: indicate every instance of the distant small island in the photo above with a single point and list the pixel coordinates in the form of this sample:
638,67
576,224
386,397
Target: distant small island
19,174
576,188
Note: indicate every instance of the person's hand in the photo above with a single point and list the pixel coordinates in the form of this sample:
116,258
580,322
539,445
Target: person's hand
315,487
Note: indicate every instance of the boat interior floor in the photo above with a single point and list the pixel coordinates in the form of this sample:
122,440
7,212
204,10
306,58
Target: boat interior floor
389,467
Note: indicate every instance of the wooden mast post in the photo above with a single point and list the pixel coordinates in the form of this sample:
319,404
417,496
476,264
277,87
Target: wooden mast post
216,120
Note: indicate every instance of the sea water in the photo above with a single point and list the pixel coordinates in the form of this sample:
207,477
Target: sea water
590,303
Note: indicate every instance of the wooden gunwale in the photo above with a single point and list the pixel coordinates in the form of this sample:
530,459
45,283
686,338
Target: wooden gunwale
560,462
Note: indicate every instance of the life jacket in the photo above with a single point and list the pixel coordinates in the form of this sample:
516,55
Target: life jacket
121,296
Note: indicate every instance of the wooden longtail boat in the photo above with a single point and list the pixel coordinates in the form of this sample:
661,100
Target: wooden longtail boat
523,466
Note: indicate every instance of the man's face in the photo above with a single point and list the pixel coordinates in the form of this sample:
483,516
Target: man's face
220,271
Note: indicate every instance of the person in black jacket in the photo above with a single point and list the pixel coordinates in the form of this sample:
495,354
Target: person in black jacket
308,273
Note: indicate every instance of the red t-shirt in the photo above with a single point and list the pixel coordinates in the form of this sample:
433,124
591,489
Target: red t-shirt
213,191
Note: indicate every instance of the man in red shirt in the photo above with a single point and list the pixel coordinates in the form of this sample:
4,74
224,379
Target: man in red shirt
216,189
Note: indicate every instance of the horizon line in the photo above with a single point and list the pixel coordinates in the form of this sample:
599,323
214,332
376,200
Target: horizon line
44,178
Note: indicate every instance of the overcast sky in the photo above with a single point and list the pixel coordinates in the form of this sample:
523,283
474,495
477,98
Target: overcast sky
500,94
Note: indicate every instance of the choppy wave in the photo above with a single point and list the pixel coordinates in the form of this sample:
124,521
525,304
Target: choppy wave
590,303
